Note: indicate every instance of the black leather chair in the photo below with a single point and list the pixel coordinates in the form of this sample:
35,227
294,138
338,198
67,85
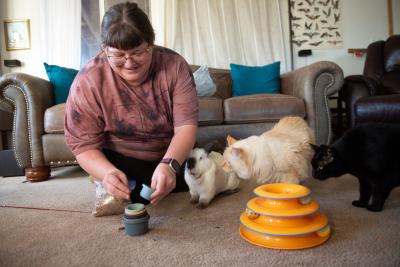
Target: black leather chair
375,95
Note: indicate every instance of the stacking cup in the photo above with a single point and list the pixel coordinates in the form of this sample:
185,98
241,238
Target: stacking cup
136,219
146,192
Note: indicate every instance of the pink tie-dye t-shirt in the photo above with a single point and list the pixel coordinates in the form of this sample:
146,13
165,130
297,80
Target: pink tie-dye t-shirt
102,111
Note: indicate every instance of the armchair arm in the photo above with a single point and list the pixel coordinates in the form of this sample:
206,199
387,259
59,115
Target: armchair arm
315,83
382,108
29,96
354,88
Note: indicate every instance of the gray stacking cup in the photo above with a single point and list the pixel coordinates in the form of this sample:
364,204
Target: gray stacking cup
136,219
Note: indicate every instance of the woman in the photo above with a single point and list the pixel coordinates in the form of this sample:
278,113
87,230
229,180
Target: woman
132,110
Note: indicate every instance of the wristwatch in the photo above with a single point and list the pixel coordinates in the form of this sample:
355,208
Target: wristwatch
173,164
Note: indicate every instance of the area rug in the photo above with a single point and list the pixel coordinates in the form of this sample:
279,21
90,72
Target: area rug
180,234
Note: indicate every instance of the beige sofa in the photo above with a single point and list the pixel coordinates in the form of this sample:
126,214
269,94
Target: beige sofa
38,132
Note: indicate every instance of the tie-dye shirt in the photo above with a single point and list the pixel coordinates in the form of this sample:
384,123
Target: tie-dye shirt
102,111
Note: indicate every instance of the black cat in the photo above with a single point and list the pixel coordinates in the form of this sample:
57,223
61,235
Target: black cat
371,152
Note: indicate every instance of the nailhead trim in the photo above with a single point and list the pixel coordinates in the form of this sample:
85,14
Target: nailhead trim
63,162
326,105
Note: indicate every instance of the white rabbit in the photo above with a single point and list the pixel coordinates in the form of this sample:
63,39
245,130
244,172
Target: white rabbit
206,178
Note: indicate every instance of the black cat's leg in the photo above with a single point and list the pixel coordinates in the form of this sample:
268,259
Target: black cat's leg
365,195
379,196
377,202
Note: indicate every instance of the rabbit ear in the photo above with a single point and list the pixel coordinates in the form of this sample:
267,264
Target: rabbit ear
230,140
196,145
215,145
211,146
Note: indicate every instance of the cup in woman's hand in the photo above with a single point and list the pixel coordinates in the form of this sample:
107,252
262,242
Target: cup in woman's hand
146,192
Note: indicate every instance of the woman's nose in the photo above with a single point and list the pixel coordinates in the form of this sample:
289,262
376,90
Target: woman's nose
130,62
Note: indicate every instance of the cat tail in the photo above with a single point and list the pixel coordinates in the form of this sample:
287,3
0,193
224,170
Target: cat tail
296,125
290,123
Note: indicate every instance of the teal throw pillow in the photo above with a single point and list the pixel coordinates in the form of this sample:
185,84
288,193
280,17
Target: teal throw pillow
61,78
249,80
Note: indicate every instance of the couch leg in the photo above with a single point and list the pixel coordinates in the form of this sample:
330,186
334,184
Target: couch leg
37,174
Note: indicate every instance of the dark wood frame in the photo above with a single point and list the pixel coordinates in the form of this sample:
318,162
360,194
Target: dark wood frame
390,17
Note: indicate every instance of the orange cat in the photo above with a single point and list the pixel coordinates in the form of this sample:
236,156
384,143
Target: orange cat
280,155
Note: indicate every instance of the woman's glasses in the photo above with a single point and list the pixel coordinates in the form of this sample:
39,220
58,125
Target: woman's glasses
120,60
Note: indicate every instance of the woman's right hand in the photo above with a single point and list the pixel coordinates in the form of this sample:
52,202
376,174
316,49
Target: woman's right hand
116,184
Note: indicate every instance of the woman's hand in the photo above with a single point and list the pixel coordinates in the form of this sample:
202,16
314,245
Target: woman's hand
114,181
163,181
116,184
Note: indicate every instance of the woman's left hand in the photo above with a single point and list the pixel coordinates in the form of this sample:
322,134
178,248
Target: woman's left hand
163,181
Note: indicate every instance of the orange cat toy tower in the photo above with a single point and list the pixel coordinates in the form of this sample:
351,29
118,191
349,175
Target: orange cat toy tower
283,216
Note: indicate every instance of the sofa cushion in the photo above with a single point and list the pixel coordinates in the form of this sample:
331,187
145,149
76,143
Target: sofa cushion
262,108
54,119
210,111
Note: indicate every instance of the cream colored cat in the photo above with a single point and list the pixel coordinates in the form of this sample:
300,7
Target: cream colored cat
280,155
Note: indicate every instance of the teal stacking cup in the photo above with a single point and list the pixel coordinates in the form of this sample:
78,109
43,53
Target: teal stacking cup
146,192
136,219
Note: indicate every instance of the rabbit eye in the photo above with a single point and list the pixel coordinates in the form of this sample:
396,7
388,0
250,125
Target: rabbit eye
201,158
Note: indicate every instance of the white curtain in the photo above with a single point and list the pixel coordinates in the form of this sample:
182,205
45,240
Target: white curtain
58,33
219,32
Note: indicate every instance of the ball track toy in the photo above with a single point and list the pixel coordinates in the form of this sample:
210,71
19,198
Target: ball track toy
283,216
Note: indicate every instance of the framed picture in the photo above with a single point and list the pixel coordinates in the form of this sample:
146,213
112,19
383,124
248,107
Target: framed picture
17,34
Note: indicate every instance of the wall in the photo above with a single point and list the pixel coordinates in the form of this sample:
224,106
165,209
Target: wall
55,31
359,29
25,9
363,21
17,9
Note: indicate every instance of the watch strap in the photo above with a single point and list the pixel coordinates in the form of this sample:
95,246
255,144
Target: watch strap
166,160
173,164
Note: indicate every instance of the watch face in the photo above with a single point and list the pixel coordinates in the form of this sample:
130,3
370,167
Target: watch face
175,165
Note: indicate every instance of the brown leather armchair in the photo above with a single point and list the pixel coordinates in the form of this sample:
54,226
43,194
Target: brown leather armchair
375,95
38,136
